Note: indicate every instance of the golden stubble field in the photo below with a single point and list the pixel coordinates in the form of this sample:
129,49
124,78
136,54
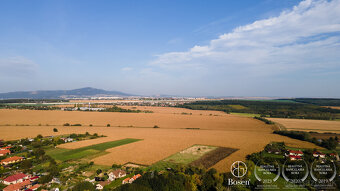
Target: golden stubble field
309,125
219,129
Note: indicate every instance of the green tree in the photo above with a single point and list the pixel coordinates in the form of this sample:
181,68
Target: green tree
81,186
26,164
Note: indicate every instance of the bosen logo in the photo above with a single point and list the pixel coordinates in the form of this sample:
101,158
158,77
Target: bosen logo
238,169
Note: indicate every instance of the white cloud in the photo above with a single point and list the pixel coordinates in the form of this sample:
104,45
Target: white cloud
304,37
126,69
18,67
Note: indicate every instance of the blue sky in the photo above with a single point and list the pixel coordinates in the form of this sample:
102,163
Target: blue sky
209,48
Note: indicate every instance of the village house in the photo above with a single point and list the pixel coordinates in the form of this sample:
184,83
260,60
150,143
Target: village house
295,153
334,156
126,180
116,174
135,177
67,139
294,157
4,152
11,160
100,186
6,148
318,154
16,178
130,180
35,187
18,186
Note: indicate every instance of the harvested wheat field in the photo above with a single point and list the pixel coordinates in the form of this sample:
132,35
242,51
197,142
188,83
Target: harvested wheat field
309,125
333,107
216,121
246,134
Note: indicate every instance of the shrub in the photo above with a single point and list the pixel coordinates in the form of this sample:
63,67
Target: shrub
155,126
66,124
55,130
77,124
108,125
39,136
84,186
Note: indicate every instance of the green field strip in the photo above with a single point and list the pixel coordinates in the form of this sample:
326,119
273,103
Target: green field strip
88,151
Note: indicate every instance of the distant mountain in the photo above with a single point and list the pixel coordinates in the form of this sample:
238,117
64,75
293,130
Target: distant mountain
55,94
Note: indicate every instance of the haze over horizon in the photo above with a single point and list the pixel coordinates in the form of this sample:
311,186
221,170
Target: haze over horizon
193,48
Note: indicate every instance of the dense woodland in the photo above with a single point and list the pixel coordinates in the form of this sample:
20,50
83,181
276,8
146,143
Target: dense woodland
318,101
270,108
330,143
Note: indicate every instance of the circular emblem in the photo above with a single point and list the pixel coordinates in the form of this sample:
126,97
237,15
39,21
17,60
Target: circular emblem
238,169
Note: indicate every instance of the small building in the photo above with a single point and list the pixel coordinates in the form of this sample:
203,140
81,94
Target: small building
11,160
126,180
35,187
34,178
318,154
135,177
130,180
295,157
116,174
295,153
334,156
100,186
18,186
16,178
4,152
6,148
67,139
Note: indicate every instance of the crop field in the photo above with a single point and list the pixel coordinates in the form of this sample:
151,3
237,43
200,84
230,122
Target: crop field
72,154
320,126
190,154
215,128
210,159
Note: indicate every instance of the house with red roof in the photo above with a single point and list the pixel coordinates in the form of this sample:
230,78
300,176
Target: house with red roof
35,187
16,178
18,186
136,176
295,157
126,180
11,160
4,152
318,154
295,153
5,148
130,180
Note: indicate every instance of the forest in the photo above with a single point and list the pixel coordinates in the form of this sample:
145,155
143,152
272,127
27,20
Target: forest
268,108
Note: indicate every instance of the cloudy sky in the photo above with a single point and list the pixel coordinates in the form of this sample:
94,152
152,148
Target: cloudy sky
202,48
